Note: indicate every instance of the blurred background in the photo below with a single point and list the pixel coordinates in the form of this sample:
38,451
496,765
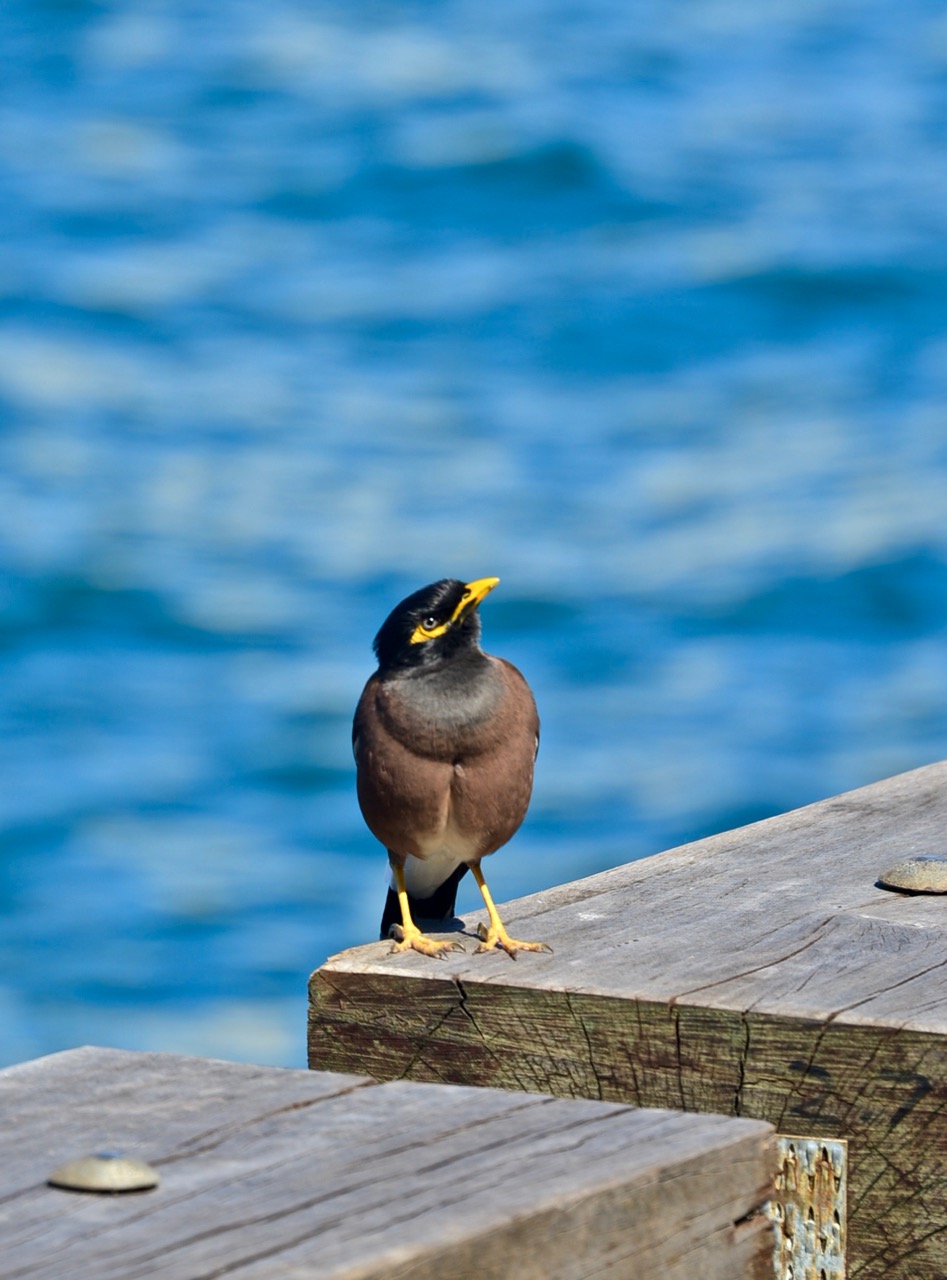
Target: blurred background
638,306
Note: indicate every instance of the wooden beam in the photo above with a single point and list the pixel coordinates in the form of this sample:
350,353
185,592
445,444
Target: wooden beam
293,1175
761,972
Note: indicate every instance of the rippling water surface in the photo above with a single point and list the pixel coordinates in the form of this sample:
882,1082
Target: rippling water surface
301,306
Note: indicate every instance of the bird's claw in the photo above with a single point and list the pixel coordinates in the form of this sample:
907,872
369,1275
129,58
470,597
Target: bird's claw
415,940
491,938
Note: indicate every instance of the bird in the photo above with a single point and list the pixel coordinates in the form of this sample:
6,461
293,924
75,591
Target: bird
445,737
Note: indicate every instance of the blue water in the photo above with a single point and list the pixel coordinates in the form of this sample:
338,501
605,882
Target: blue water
639,307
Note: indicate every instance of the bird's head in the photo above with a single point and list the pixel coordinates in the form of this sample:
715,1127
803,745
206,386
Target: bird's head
433,624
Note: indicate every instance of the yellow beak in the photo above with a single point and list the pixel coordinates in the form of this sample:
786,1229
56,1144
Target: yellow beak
474,592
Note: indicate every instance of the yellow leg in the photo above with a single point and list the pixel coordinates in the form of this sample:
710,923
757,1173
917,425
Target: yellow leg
496,935
411,938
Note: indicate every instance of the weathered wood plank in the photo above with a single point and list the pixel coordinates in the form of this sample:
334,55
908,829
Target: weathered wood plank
760,972
270,1174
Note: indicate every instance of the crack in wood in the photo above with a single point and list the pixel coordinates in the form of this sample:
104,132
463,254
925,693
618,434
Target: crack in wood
760,968
199,1144
741,1065
805,1070
588,1044
676,1022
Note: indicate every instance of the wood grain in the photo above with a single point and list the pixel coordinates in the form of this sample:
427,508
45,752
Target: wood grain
761,972
270,1174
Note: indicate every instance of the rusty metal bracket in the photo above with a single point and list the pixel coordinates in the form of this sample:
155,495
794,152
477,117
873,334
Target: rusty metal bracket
808,1209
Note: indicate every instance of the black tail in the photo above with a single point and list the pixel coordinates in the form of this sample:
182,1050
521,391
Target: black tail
439,906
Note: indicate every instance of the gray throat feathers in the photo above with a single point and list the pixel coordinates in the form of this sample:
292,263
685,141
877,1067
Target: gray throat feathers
446,710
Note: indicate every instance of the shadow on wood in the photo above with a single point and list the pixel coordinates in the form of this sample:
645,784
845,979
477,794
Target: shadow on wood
761,972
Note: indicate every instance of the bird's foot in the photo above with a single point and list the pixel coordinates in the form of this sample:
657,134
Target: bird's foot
498,937
413,939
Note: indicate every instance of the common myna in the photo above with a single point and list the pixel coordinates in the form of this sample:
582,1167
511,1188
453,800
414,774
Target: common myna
445,737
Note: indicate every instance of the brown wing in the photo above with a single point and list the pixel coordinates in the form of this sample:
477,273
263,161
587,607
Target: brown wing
403,797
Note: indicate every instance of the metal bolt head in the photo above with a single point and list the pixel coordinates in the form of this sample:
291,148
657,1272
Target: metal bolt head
105,1172
926,873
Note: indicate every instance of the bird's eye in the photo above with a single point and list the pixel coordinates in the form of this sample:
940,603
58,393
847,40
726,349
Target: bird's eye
429,623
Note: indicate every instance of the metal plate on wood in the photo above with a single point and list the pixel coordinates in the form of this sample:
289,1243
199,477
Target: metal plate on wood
808,1209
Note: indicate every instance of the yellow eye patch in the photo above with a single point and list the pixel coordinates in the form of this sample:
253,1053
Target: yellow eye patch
474,592
422,633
